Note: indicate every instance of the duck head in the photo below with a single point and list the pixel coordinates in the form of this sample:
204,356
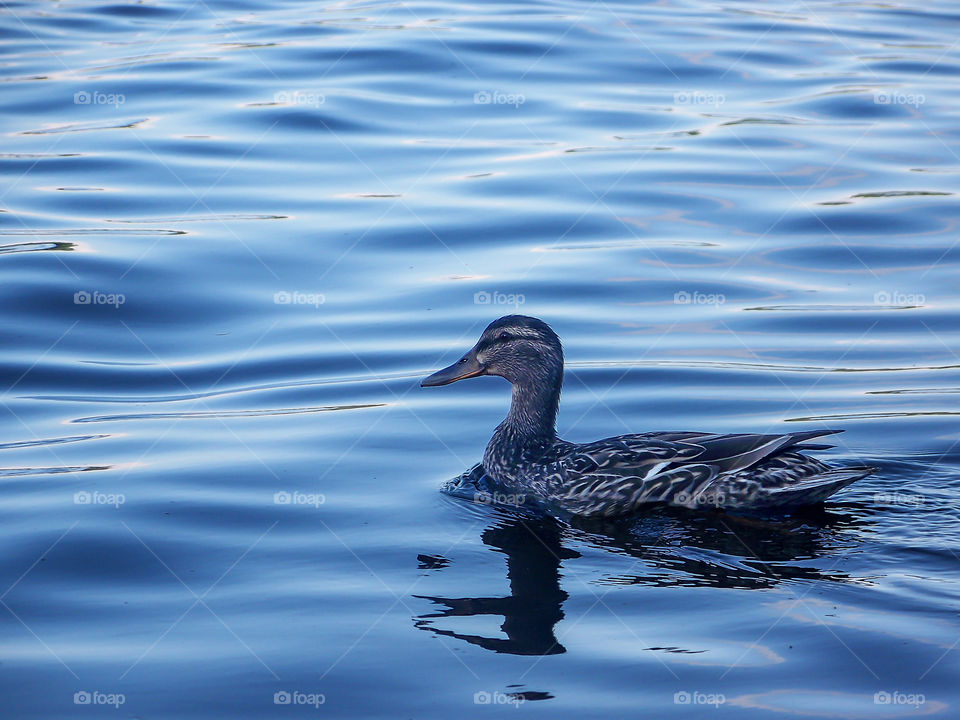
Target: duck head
524,350
528,353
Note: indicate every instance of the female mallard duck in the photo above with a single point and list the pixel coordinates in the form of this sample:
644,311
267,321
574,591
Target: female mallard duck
615,476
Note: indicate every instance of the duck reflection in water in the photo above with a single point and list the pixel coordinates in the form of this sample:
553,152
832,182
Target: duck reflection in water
535,604
673,547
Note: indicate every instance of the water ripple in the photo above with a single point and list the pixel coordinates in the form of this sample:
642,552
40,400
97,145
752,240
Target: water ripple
220,414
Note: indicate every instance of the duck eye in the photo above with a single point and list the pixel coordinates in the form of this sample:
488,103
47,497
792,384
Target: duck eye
504,336
461,361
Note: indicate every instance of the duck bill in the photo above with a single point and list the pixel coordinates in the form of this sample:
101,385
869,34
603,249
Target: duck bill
468,367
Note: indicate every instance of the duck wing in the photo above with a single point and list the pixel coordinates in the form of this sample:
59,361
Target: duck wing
786,480
739,451
617,475
609,494
636,454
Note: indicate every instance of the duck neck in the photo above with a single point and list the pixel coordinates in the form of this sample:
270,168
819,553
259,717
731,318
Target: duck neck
530,428
532,419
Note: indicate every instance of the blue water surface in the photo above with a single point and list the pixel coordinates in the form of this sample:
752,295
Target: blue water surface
236,234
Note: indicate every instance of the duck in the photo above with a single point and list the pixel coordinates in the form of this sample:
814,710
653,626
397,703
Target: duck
526,462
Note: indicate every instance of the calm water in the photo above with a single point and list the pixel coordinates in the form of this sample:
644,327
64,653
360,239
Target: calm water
236,234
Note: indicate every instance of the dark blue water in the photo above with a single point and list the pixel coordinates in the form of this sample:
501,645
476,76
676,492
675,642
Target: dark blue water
235,235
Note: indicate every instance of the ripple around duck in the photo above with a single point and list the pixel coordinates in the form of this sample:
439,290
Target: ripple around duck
749,367
899,193
220,414
225,217
18,472
87,127
37,156
49,441
11,248
835,704
830,308
915,391
225,392
75,232
868,416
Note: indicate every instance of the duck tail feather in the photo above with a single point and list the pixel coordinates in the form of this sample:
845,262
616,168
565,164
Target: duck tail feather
804,435
817,488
